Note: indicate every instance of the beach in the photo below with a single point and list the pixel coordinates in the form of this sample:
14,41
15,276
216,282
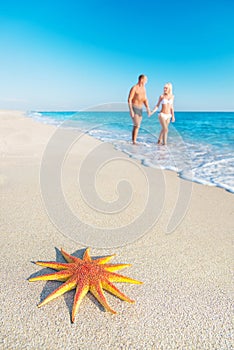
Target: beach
185,301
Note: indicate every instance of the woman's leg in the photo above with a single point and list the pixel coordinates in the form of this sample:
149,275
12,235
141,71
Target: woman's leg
164,131
160,138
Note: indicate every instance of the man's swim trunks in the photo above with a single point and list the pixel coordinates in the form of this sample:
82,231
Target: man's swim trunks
137,110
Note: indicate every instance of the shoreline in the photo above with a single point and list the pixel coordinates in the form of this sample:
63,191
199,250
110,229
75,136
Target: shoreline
184,173
185,300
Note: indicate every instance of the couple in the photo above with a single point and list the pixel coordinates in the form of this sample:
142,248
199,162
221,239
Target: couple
137,97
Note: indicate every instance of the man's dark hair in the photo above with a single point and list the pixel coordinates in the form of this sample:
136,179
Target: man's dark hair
141,77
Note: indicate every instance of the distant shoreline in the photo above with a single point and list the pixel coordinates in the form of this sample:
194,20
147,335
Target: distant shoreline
96,110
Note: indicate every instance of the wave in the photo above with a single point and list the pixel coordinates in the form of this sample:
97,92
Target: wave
193,152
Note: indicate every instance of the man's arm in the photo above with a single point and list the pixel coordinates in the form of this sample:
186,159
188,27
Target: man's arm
147,106
130,98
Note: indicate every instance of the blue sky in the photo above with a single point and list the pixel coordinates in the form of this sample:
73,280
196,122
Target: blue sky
69,55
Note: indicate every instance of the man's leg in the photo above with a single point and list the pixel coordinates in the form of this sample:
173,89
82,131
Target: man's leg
134,134
136,126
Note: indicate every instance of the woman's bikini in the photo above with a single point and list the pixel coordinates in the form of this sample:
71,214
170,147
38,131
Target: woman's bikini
165,101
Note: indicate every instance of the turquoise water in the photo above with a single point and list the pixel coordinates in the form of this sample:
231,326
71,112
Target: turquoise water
200,144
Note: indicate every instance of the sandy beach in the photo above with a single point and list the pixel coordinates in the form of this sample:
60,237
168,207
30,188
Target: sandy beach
186,299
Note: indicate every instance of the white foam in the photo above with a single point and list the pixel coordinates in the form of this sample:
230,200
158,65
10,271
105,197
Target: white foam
196,161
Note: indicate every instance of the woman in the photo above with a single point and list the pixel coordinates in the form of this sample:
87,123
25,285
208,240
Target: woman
167,112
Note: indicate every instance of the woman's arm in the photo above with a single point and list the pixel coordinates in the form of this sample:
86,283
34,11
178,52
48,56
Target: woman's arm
157,106
172,112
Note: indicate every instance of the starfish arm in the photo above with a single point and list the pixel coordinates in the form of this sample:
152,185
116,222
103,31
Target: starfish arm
87,256
69,258
104,260
113,290
53,265
115,267
85,275
97,291
56,276
115,277
65,287
81,291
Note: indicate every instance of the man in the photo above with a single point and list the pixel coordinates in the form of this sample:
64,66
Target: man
136,99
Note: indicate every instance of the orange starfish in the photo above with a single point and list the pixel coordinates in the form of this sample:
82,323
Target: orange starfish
85,275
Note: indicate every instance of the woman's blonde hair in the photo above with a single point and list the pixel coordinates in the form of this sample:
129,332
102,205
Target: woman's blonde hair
169,85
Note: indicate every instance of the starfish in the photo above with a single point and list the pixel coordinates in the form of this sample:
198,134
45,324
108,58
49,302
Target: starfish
85,275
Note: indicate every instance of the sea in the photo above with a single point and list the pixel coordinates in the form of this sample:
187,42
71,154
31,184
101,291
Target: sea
200,144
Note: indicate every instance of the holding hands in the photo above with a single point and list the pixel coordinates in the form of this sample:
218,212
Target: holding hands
152,112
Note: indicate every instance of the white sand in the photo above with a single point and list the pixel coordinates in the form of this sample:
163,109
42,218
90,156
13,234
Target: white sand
186,299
